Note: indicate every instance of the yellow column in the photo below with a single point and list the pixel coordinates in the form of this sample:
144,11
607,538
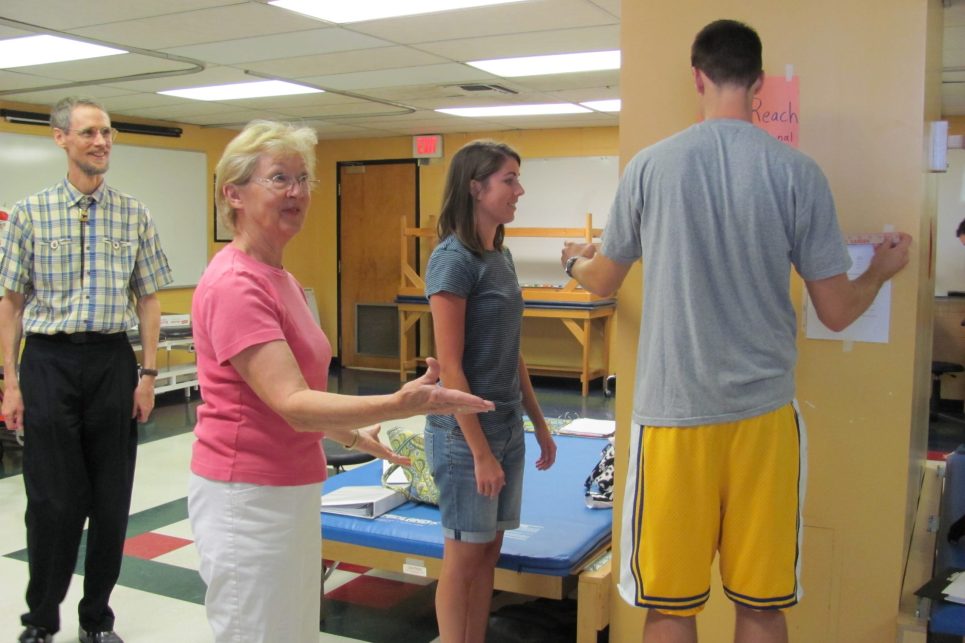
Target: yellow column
869,83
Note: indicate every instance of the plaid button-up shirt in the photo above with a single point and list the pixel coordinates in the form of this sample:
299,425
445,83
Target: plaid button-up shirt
81,276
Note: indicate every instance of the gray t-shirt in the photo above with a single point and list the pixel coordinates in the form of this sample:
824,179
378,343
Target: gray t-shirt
494,313
719,213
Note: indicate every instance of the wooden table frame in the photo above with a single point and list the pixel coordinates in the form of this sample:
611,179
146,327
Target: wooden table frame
579,321
592,585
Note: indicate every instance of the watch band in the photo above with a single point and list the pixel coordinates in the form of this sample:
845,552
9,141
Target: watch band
568,268
141,372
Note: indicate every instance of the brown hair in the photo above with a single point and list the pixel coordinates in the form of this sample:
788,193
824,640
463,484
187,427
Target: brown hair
476,161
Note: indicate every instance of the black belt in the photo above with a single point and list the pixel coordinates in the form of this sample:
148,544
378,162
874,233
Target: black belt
85,337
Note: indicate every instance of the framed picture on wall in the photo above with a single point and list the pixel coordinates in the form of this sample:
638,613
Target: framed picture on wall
221,231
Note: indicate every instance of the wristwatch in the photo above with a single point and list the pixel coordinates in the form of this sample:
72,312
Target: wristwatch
141,372
568,267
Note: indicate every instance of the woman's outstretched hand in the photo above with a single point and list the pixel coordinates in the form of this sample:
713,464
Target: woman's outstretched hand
425,395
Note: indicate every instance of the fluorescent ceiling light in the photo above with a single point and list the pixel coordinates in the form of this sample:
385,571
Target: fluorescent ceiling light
343,11
603,105
235,91
553,64
516,110
40,50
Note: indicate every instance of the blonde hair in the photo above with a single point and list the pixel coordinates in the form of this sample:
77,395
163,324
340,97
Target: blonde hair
241,155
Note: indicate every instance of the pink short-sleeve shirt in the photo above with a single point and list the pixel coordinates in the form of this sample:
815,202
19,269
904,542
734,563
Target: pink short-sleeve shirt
239,303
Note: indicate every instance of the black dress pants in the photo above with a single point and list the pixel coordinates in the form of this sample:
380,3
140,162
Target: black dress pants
80,444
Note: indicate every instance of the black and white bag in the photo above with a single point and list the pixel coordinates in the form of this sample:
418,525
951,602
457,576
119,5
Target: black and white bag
599,484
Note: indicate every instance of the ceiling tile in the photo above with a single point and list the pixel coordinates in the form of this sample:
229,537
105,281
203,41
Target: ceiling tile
329,127
68,14
570,81
138,100
229,117
594,119
299,101
521,17
612,6
346,62
12,32
13,81
415,62
279,46
108,67
527,44
356,109
185,109
250,19
446,73
211,76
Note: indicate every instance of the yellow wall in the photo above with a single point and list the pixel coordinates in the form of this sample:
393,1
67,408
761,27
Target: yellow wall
311,256
869,74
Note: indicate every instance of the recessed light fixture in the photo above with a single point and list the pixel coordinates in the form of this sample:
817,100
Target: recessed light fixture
552,64
343,11
234,91
516,110
603,105
43,49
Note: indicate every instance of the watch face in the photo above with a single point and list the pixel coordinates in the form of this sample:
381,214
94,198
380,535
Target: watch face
569,265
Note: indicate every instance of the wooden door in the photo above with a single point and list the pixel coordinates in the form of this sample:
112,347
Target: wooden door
373,198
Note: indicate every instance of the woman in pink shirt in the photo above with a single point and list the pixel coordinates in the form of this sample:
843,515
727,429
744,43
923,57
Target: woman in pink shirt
257,463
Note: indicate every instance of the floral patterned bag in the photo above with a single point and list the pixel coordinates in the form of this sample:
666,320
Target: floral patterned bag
420,487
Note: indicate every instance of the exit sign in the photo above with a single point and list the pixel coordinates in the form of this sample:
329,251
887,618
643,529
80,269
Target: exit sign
427,146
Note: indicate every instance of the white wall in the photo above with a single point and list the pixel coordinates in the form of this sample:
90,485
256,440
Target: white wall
949,252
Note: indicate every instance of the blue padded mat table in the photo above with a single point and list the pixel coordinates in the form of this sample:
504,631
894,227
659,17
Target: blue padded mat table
560,545
557,530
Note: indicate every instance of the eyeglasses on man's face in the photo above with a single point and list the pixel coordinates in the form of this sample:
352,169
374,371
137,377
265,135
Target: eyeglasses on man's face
91,133
285,182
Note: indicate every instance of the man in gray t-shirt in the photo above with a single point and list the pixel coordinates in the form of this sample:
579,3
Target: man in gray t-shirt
719,214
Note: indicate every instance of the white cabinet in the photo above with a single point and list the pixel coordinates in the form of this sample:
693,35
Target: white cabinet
179,376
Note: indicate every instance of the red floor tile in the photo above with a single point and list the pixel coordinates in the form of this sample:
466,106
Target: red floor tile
346,567
150,545
373,591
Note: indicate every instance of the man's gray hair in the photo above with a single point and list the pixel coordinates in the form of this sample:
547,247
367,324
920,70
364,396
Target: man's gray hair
60,114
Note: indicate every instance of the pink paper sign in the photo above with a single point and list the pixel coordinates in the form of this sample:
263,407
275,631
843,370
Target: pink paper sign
776,109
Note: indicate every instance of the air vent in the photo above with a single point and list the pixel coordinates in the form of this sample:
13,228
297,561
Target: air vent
479,88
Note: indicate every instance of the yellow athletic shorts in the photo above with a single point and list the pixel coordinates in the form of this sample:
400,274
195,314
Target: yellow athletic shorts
734,489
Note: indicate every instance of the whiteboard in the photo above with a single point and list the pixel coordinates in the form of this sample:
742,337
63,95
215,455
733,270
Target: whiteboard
559,194
172,183
949,252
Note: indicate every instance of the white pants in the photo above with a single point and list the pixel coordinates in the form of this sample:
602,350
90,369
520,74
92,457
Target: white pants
261,559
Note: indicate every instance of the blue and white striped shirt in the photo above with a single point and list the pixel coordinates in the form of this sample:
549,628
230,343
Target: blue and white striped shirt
81,276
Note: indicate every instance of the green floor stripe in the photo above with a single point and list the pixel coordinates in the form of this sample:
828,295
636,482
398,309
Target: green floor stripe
139,523
157,517
148,575
162,579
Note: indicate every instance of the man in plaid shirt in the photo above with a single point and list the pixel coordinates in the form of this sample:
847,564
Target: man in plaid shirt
80,264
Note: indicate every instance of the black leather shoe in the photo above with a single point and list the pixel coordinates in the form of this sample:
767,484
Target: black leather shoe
35,635
98,637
